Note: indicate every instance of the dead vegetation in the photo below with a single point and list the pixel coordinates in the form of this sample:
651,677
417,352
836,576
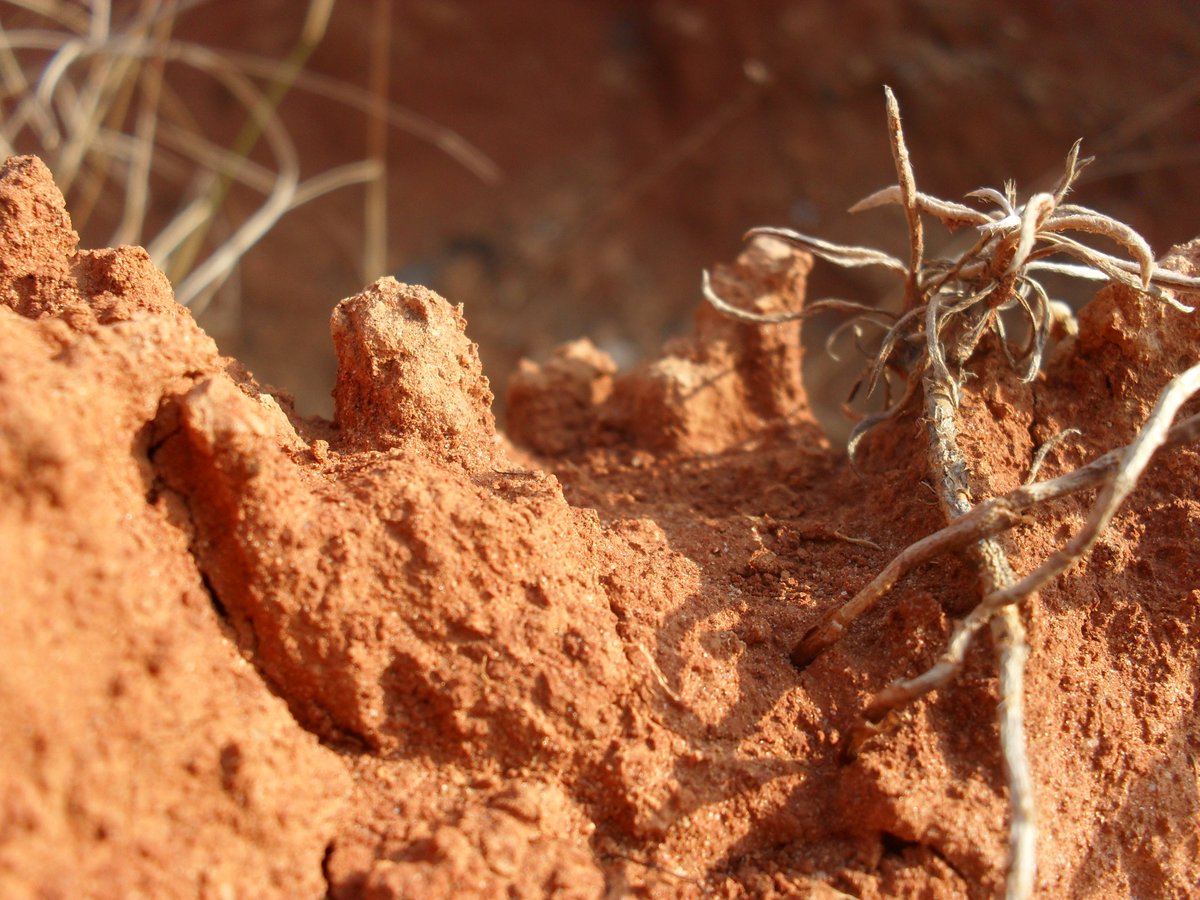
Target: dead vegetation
101,93
950,306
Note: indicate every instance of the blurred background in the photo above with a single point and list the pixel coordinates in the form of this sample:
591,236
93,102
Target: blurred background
561,167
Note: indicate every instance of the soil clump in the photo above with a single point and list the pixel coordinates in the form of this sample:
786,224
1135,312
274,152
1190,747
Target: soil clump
399,653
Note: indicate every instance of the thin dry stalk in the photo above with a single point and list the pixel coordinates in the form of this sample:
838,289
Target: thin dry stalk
375,229
137,185
1012,651
950,468
1133,462
908,194
448,141
262,121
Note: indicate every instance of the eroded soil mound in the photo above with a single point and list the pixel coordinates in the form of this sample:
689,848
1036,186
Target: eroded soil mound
393,655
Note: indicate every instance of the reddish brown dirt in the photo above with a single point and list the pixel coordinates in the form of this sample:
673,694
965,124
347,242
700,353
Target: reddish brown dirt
393,655
634,149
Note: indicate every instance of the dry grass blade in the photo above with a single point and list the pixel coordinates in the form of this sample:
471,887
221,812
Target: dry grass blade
877,318
363,171
1080,219
375,224
860,430
1071,170
1033,218
996,197
900,331
450,142
865,313
1039,455
69,16
91,91
202,282
137,184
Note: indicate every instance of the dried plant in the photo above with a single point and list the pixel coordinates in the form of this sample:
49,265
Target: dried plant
90,89
950,305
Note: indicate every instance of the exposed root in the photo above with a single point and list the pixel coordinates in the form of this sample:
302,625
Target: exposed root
1012,650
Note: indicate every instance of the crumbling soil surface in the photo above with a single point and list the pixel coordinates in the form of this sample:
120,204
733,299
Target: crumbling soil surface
637,144
399,654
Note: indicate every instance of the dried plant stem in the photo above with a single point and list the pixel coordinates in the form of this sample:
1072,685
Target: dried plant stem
950,471
137,186
1008,631
375,230
1132,463
904,691
983,522
908,193
261,119
1012,651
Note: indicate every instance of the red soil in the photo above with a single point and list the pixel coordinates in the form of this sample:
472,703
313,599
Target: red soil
393,655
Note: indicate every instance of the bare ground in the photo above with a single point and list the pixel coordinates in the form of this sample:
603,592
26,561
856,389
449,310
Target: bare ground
401,654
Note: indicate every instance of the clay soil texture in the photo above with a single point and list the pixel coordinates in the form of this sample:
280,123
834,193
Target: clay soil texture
401,654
